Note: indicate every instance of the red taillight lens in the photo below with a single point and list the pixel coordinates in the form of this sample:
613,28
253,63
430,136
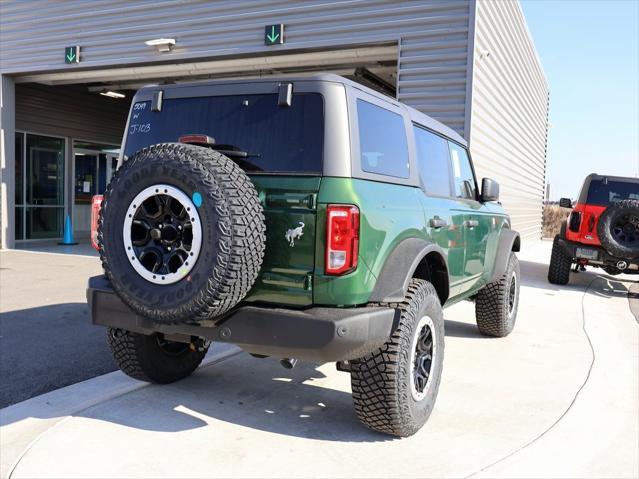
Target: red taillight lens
96,203
342,238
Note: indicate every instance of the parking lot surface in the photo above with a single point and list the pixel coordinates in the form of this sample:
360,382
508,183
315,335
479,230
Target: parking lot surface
46,341
557,398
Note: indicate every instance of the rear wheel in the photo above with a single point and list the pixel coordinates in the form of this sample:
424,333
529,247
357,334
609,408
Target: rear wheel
395,387
151,358
496,303
560,262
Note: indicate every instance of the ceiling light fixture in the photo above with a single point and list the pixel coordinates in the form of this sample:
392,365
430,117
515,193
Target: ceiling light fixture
162,44
112,94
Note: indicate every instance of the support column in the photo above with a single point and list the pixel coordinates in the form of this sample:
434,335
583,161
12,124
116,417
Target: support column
7,161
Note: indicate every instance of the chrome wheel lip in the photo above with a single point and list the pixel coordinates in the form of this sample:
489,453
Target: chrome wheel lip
196,226
513,294
425,321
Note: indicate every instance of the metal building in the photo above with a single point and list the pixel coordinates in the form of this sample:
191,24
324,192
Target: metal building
65,66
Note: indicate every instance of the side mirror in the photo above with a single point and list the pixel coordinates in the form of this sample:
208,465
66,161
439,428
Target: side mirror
565,203
489,190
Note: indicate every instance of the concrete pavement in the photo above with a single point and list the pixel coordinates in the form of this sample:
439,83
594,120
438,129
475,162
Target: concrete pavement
557,398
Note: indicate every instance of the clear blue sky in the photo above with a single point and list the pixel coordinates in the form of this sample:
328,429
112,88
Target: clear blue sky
590,53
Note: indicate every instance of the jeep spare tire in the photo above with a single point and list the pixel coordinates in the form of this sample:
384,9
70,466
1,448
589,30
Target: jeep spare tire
181,233
618,229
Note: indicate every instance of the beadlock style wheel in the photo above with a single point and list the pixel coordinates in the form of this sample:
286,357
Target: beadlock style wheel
162,234
423,356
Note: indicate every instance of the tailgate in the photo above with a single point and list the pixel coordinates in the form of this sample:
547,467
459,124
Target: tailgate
290,208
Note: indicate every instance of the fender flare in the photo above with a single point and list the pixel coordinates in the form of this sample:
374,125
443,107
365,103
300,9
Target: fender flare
399,268
509,240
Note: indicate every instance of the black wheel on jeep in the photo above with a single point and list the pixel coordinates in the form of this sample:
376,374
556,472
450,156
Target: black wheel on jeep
181,233
496,303
395,387
152,358
560,263
618,229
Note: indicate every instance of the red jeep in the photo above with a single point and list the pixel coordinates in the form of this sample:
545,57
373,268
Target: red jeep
602,229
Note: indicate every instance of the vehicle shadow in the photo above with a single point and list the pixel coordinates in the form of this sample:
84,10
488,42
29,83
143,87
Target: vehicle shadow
535,275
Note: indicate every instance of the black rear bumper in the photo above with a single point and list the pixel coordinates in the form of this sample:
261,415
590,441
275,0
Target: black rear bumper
314,334
579,251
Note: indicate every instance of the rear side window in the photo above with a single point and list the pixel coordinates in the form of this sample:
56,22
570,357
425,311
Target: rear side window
605,192
464,179
276,139
382,141
434,162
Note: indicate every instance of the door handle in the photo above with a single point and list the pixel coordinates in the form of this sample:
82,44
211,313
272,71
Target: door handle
438,223
471,223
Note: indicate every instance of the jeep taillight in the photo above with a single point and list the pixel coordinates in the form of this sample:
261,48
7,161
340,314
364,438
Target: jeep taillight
96,203
574,221
342,238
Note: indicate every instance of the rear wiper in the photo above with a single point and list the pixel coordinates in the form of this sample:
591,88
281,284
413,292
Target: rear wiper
233,151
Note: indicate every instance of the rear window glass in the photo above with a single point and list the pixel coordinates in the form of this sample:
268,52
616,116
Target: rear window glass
382,140
276,139
603,193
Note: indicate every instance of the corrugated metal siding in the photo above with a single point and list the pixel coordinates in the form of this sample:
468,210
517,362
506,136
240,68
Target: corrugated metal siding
70,111
509,119
433,37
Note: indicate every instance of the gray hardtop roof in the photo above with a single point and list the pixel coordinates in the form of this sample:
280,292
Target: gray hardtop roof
415,115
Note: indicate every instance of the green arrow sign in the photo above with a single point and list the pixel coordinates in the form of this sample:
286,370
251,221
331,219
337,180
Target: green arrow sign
274,34
72,54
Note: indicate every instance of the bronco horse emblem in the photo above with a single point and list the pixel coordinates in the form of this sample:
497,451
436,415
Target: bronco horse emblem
294,233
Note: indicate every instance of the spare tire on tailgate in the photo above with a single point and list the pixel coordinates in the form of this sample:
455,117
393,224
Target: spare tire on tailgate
181,233
618,229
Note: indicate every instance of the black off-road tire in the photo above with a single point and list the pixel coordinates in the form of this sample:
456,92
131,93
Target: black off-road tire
381,381
624,208
141,357
232,224
560,263
496,303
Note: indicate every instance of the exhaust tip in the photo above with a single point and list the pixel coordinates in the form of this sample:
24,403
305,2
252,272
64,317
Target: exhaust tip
621,265
288,363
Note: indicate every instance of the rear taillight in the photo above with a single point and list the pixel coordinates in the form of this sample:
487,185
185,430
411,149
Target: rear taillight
574,221
342,238
96,203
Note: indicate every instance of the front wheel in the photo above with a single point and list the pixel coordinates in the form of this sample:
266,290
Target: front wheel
496,303
152,358
395,387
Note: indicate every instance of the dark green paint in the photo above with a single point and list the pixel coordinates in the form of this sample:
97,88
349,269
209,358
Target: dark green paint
390,213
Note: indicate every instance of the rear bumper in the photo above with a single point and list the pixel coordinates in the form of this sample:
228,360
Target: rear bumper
579,251
314,334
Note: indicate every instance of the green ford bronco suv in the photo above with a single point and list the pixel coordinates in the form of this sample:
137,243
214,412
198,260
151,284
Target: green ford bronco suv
302,218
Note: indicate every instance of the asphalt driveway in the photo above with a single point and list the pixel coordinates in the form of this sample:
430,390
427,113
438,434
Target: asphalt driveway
46,341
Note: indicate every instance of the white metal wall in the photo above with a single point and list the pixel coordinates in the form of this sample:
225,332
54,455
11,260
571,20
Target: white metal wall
509,112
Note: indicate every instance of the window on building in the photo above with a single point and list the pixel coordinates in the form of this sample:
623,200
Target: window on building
464,179
434,162
382,141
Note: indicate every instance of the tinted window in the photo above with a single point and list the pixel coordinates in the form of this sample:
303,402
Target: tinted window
382,140
464,179
275,138
434,162
603,194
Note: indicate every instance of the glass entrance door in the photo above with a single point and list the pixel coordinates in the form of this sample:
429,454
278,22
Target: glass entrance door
40,199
